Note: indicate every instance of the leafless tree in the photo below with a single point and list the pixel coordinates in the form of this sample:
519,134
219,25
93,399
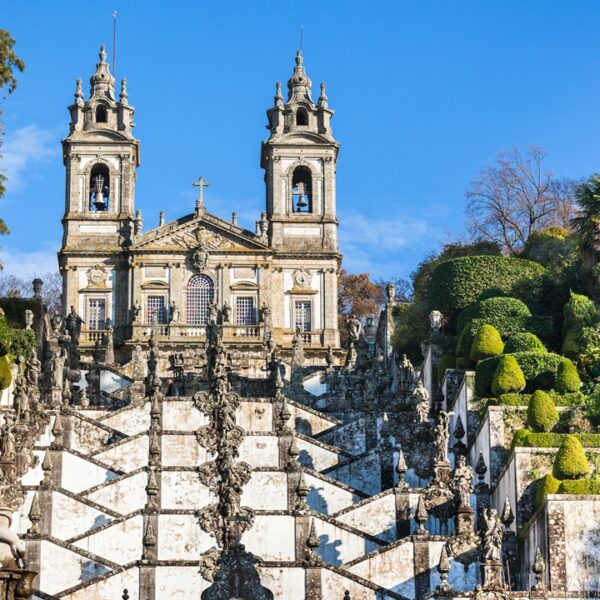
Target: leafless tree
509,200
21,287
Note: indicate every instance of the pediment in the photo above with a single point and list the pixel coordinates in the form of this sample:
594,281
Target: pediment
189,232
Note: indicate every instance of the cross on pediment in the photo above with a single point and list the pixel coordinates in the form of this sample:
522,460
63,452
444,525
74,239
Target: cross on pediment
201,184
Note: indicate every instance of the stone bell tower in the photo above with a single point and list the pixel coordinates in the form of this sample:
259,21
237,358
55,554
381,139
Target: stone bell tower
101,157
299,160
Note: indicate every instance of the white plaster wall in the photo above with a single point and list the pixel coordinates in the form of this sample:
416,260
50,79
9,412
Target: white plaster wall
121,543
376,517
112,587
255,416
363,474
131,421
183,490
128,455
79,474
286,583
507,486
125,495
326,496
272,537
266,490
338,545
71,517
316,457
179,583
181,538
35,475
302,418
260,451
181,450
182,415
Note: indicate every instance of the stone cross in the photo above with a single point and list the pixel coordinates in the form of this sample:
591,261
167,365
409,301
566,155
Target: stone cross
201,183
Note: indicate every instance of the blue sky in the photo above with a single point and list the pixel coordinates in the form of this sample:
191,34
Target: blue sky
425,93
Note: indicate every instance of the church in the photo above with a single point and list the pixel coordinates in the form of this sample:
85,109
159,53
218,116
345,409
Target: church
276,281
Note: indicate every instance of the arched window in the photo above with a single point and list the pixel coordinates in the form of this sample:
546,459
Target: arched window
99,188
301,117
302,190
101,114
200,294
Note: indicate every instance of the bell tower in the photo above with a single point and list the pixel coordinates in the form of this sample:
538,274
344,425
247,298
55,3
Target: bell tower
299,160
101,156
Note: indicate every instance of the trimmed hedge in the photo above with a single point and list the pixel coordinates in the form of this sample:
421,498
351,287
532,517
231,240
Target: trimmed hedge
447,361
499,312
486,343
456,283
524,438
567,377
539,371
579,486
548,484
5,374
524,342
508,376
512,399
541,412
570,461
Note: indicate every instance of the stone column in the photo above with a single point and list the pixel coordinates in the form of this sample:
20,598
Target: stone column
421,566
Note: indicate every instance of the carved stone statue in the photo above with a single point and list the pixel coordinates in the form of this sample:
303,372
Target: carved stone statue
297,349
213,312
73,323
435,320
421,399
139,362
32,373
58,370
462,480
442,436
28,319
354,329
491,536
173,313
137,312
226,313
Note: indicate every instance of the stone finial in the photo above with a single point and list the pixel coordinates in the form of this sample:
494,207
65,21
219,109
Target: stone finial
35,515
459,434
421,516
444,570
278,94
312,542
57,430
347,595
538,568
78,93
401,469
285,413
299,85
125,595
150,535
37,284
302,489
84,401
293,453
102,54
102,82
323,97
123,96
507,516
436,320
480,467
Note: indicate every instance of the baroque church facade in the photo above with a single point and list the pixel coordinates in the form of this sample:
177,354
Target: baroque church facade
276,281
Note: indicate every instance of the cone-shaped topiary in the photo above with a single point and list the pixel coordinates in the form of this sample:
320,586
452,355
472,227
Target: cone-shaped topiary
548,484
447,361
541,412
570,461
567,377
508,376
486,343
524,342
5,375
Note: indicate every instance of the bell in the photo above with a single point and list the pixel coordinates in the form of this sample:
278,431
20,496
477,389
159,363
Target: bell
99,201
302,203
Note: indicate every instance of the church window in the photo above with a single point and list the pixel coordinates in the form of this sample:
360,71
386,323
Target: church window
101,114
302,117
155,305
199,297
302,190
99,188
303,315
245,313
96,314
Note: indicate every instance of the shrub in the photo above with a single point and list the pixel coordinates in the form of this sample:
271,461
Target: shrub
567,377
539,371
22,342
463,362
528,439
548,484
508,376
579,311
579,486
5,337
5,374
500,312
538,324
524,342
571,345
541,412
570,461
447,361
512,399
456,283
550,247
464,342
487,342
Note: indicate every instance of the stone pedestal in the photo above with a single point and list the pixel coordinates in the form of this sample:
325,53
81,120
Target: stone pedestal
491,575
16,584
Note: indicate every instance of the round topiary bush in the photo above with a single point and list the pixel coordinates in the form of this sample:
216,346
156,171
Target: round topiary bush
570,461
548,484
524,342
5,374
541,412
505,314
447,361
456,283
508,376
486,343
567,377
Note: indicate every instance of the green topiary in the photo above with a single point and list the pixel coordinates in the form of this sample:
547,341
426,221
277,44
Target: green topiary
567,377
447,361
463,362
570,461
548,484
5,374
508,376
524,342
502,313
539,371
571,345
5,337
456,283
528,439
579,311
486,343
464,342
541,412
579,486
